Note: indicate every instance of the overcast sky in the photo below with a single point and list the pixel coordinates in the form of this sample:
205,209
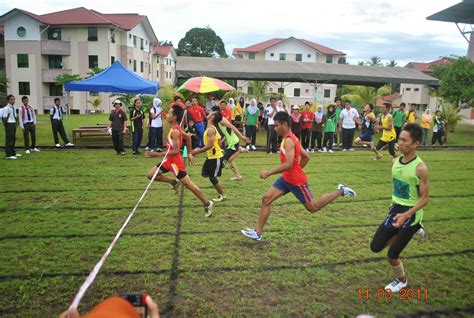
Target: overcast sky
395,30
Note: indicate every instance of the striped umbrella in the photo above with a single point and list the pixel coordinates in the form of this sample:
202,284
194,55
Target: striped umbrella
204,84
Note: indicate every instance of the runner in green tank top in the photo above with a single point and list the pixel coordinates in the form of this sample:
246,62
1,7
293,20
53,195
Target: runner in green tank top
409,196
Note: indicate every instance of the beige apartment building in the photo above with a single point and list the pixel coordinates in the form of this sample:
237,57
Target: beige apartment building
299,50
38,48
163,66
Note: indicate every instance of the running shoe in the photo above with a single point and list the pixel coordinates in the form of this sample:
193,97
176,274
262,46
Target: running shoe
396,285
251,233
27,152
234,178
35,150
421,232
176,187
346,191
208,209
219,198
330,150
253,147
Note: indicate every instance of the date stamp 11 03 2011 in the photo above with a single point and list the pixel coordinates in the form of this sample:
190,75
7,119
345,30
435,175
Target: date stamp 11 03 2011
386,294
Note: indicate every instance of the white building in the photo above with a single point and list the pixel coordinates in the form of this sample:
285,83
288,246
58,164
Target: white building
299,50
164,64
38,48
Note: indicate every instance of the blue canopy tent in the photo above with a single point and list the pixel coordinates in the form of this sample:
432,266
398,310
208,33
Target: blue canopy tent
114,79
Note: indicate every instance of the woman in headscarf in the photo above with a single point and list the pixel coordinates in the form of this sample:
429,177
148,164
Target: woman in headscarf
231,103
330,128
296,120
317,129
251,123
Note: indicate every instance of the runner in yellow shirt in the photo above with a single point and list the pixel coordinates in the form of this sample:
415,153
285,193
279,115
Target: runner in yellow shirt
388,133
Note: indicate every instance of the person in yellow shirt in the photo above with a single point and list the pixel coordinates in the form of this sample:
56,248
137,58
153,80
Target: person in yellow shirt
238,112
426,121
212,167
388,133
411,114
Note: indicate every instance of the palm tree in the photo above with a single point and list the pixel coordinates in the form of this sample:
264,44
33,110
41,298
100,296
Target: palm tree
451,118
391,63
360,63
374,61
96,102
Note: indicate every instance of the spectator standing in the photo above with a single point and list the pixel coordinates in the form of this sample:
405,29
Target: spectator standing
117,126
198,114
438,128
238,112
308,117
330,127
177,101
347,121
56,114
155,131
211,102
296,120
339,108
411,114
136,123
317,130
426,121
28,125
399,119
270,112
251,123
10,121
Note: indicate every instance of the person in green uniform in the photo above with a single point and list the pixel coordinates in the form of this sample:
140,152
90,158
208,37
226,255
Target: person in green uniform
330,128
339,108
251,123
409,196
399,119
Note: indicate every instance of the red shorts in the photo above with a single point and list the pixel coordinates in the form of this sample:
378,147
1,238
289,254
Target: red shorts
175,166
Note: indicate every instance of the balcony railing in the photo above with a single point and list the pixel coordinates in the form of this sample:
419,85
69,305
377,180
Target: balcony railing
49,75
53,47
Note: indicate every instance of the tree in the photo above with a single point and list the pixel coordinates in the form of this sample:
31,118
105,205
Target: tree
96,102
201,42
94,71
451,119
457,81
3,85
391,63
360,63
342,60
374,61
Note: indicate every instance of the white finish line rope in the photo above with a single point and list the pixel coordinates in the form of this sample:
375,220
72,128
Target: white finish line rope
92,275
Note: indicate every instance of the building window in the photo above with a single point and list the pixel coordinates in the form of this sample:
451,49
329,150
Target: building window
22,60
141,66
112,60
93,61
24,88
306,91
308,56
297,92
299,57
327,93
157,73
329,59
408,89
282,56
21,32
134,41
272,54
134,65
94,93
142,44
270,90
56,62
91,34
251,55
281,90
112,35
129,61
54,34
416,89
129,36
157,60
249,90
55,90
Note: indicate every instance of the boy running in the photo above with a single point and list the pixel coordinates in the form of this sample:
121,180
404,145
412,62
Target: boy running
293,179
368,123
409,196
388,133
174,161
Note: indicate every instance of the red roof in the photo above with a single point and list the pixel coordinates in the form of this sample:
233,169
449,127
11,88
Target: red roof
83,16
269,43
426,67
163,50
388,98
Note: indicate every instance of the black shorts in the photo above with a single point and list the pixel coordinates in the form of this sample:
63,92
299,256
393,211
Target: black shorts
180,175
391,146
212,168
230,152
386,231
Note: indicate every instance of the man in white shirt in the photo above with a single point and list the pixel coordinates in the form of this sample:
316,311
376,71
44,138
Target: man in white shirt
270,112
155,131
28,125
9,121
347,120
56,114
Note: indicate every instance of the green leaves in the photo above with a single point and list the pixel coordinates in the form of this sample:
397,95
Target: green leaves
202,42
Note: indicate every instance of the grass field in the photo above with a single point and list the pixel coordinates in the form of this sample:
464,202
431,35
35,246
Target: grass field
60,210
463,136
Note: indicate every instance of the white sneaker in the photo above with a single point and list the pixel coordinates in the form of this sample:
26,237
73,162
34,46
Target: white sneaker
396,285
254,148
251,233
247,147
323,150
421,232
69,145
219,198
27,152
18,155
351,149
11,157
344,149
208,209
147,148
330,150
58,146
346,191
35,150
312,150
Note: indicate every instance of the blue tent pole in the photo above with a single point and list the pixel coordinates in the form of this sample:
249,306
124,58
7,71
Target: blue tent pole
67,114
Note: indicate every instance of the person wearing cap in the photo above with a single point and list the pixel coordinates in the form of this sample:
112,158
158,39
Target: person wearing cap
136,122
155,126
114,307
118,120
